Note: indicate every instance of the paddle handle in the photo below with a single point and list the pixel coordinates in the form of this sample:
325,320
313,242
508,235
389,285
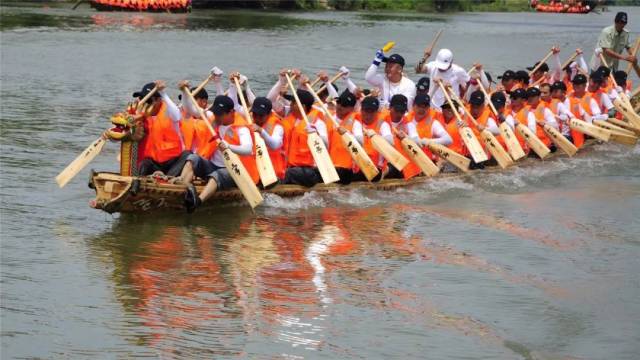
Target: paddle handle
322,105
486,95
468,113
242,100
568,62
544,59
202,85
446,96
200,112
613,80
539,81
147,97
331,81
429,49
634,51
297,99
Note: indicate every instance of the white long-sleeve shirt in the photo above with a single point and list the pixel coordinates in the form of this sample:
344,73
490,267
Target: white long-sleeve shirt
409,128
456,76
439,134
275,140
245,147
531,120
405,86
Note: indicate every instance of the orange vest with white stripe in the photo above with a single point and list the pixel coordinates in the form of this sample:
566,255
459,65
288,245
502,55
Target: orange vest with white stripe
368,145
163,139
339,154
277,156
249,161
538,112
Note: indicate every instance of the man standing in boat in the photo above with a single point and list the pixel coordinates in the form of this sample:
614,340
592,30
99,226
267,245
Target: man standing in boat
393,81
444,69
613,40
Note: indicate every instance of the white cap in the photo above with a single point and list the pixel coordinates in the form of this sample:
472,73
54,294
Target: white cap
444,59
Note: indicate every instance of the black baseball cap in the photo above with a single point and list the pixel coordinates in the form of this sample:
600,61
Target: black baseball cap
498,99
146,89
532,92
544,67
596,76
395,59
222,104
476,98
305,97
558,85
620,77
579,79
422,99
621,17
518,94
399,102
423,84
605,71
202,94
346,99
261,106
522,76
370,103
508,75
447,105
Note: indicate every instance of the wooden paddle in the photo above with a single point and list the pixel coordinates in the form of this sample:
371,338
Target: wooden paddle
350,143
263,160
533,141
625,125
544,59
233,163
467,135
490,141
589,129
331,81
618,134
428,50
316,145
388,151
459,161
569,60
634,51
559,140
417,156
509,137
91,152
204,82
622,103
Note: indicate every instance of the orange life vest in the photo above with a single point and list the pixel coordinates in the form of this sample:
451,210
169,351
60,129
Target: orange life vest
233,138
423,126
163,139
576,103
411,169
277,155
298,153
368,144
522,117
339,154
538,112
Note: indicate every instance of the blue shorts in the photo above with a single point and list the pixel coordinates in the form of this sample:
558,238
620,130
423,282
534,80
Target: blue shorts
206,169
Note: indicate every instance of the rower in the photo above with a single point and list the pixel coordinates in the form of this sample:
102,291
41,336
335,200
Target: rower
348,122
507,80
422,86
583,106
499,101
520,114
373,123
162,148
545,93
544,72
521,79
482,113
270,128
560,106
301,167
236,138
452,127
393,81
402,128
542,115
444,69
430,129
613,40
598,89
195,132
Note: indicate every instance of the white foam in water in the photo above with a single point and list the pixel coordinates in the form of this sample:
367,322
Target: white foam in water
353,197
308,200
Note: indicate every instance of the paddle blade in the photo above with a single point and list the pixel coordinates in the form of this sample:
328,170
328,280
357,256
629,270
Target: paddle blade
513,145
559,140
589,129
322,159
457,160
389,152
360,156
496,150
419,158
80,162
533,141
242,179
263,162
473,145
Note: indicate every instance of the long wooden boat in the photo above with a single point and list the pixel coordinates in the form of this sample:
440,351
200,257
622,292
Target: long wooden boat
173,6
114,191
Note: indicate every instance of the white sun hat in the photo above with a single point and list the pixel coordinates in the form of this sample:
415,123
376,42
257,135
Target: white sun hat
444,59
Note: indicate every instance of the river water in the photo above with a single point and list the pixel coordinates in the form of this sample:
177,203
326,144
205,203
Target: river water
538,262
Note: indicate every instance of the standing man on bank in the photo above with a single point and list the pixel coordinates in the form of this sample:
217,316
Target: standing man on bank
613,40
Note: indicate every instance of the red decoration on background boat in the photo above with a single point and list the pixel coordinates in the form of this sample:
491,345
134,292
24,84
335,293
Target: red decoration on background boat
142,5
566,7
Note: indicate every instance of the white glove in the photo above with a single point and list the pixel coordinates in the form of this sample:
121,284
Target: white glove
598,51
369,132
310,129
345,72
243,79
425,142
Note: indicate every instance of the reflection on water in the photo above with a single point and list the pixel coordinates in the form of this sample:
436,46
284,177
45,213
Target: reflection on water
208,288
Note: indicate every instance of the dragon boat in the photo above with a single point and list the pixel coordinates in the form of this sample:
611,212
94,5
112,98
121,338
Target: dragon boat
173,6
119,192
